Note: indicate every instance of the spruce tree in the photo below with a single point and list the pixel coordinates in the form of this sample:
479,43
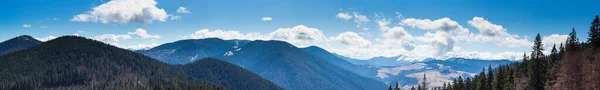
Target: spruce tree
490,78
572,41
594,34
537,66
424,81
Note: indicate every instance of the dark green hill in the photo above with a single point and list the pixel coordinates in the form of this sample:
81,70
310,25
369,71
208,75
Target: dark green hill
72,62
227,75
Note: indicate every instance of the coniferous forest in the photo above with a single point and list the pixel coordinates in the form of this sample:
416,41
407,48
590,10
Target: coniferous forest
572,65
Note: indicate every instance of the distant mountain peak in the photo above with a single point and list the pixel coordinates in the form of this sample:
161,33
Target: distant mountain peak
17,44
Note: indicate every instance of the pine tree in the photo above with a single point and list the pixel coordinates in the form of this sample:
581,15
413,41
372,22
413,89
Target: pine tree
498,81
397,85
482,80
572,41
460,84
490,78
594,34
537,66
424,81
390,87
412,88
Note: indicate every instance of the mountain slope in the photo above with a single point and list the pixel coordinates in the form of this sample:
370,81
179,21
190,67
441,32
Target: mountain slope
227,75
323,54
17,43
185,51
295,69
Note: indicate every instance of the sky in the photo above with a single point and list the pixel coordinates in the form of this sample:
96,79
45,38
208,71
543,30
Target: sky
413,29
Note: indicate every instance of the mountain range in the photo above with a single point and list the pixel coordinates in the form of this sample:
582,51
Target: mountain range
276,64
72,62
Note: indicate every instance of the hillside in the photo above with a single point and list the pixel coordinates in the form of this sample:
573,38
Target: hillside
186,51
227,75
18,43
72,62
295,69
323,54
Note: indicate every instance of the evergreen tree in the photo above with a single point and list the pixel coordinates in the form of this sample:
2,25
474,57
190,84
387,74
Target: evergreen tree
537,48
390,87
412,88
498,81
490,78
594,34
482,80
572,41
424,81
537,66
460,84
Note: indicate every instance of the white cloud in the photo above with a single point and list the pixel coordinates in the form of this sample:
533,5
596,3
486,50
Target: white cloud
43,26
359,18
486,55
142,46
174,17
26,25
48,38
487,28
266,19
496,33
554,39
143,34
112,39
352,39
183,10
223,34
300,36
443,24
344,16
124,11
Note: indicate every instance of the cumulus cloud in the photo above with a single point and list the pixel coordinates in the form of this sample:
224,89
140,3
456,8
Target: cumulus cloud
487,28
443,24
266,19
124,11
112,39
183,10
48,38
352,39
496,33
26,25
344,16
300,35
143,34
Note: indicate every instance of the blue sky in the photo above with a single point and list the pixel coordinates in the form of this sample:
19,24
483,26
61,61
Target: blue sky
521,20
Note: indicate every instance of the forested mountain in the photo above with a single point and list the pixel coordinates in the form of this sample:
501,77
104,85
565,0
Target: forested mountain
295,69
18,43
572,66
185,51
72,62
227,75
